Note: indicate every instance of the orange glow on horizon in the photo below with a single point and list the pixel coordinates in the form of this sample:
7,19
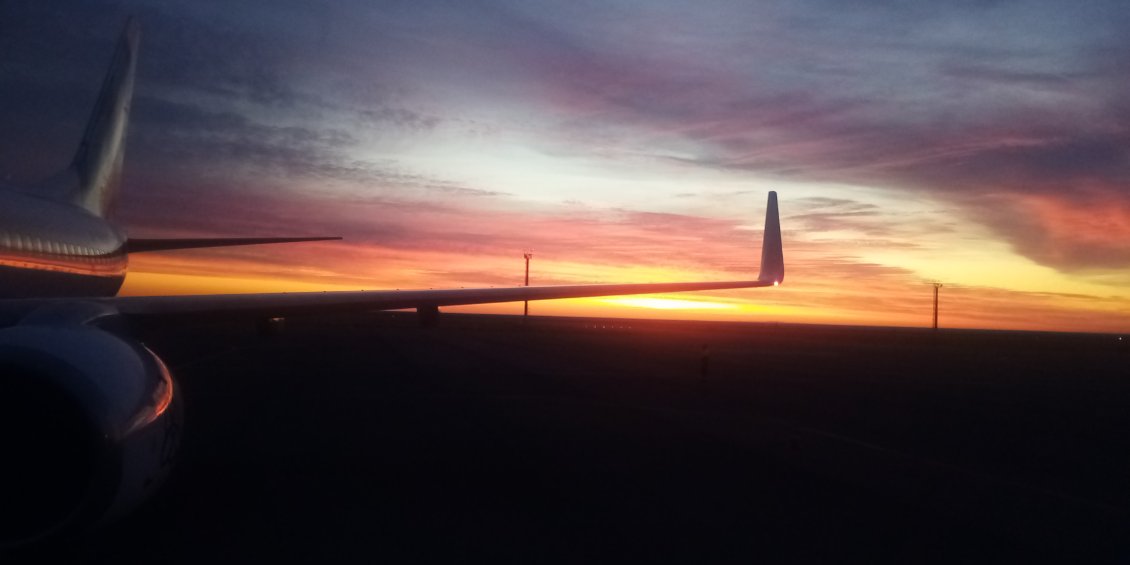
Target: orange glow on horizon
156,284
815,293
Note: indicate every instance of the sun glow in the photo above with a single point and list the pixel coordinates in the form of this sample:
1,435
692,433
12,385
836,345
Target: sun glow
668,303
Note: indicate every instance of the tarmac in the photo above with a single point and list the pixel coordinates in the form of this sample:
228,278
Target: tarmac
368,438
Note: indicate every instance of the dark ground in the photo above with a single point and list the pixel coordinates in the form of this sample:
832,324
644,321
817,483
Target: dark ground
369,439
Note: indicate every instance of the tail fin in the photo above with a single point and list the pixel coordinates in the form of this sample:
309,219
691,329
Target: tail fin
772,257
95,172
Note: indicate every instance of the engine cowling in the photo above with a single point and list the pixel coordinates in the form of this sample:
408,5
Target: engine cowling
89,426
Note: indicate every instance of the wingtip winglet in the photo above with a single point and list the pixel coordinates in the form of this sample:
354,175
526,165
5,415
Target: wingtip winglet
772,256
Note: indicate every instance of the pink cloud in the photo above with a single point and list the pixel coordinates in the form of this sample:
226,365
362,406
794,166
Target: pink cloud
1072,231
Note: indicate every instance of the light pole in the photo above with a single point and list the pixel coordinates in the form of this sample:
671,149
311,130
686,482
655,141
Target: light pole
526,303
937,285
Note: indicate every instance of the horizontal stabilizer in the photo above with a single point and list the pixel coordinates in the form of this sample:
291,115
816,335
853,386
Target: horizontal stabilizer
142,245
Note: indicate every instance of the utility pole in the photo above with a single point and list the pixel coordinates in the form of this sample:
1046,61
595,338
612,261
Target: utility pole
526,304
937,285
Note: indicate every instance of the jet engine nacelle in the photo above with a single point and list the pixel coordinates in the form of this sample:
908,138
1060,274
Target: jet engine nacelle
89,425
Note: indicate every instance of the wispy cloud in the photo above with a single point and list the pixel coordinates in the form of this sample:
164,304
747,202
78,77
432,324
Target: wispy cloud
420,131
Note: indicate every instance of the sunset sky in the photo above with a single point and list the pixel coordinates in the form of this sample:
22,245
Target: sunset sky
982,144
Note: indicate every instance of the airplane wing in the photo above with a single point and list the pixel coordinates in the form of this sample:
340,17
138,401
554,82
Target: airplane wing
290,304
287,304
305,303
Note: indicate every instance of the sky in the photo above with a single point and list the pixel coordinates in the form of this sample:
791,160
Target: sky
981,144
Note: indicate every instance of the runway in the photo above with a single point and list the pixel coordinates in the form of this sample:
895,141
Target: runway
367,438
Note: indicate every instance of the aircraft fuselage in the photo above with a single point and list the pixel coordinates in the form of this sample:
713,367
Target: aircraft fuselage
56,249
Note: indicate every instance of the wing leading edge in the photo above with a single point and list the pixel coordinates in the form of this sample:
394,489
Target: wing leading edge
287,304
